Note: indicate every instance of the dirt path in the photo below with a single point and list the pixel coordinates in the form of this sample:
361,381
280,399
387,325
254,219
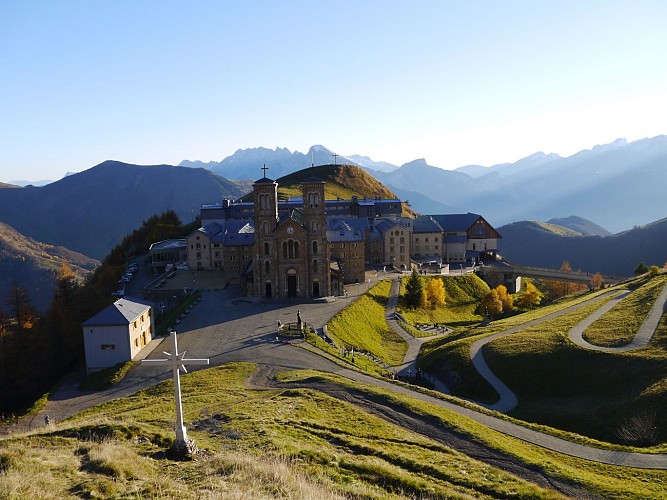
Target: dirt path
263,377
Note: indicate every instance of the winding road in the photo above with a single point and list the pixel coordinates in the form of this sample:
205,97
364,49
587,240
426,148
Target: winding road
227,331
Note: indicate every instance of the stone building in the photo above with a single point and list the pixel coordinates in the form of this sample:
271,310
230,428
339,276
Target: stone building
307,246
291,252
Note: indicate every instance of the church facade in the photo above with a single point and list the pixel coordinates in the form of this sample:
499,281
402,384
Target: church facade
290,252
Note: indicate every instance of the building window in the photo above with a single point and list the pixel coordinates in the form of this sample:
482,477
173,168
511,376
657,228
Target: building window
198,245
290,249
267,267
315,247
266,249
314,226
136,342
315,266
265,228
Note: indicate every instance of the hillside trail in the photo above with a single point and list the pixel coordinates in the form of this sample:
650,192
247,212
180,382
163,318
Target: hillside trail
641,339
409,365
507,399
73,404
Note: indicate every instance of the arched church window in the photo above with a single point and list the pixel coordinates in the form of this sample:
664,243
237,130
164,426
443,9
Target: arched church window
266,248
315,247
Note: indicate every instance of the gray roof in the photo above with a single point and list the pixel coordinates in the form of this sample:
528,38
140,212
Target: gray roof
385,225
167,244
121,312
239,233
426,224
346,229
456,222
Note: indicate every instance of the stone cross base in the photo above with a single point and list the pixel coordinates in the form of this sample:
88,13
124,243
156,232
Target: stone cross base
183,450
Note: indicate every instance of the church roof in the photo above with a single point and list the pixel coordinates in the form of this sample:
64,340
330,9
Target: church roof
264,180
295,214
121,312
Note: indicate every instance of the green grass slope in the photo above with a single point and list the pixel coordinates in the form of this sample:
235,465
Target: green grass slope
342,181
280,443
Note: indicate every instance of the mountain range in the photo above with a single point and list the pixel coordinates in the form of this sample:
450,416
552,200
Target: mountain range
613,184
541,244
91,211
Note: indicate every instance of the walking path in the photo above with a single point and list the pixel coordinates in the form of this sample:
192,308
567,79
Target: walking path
507,399
409,365
255,326
643,336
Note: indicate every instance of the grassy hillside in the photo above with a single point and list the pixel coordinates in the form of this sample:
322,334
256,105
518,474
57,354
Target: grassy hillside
580,225
561,385
33,264
361,325
462,296
342,181
289,443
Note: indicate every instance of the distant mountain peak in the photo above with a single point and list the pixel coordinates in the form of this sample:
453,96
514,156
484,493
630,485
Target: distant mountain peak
420,162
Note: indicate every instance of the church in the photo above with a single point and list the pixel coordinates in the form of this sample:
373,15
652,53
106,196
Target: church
290,252
308,247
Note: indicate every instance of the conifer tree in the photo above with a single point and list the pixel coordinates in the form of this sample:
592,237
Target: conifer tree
413,290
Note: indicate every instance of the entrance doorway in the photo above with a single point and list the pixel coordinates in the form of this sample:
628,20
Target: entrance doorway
267,291
316,288
291,285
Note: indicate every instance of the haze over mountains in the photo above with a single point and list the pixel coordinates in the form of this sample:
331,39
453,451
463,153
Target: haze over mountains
615,185
537,244
618,186
90,212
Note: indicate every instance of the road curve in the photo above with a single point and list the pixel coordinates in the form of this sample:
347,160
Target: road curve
641,339
507,399
246,332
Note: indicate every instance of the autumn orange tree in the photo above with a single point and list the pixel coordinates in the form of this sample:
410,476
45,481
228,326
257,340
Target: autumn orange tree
596,281
531,297
497,301
434,294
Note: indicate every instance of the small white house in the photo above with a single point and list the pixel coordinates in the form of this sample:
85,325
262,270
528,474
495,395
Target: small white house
117,334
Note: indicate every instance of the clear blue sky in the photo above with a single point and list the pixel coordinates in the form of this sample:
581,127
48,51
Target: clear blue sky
454,82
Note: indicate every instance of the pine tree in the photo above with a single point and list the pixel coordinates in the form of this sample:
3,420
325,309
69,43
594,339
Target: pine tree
413,290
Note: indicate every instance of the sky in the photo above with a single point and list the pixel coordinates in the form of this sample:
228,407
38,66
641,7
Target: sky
454,82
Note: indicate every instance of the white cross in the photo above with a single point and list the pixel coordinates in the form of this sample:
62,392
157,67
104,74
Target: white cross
177,363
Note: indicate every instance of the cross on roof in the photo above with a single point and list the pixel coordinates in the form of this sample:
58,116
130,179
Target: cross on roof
177,362
335,156
265,168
